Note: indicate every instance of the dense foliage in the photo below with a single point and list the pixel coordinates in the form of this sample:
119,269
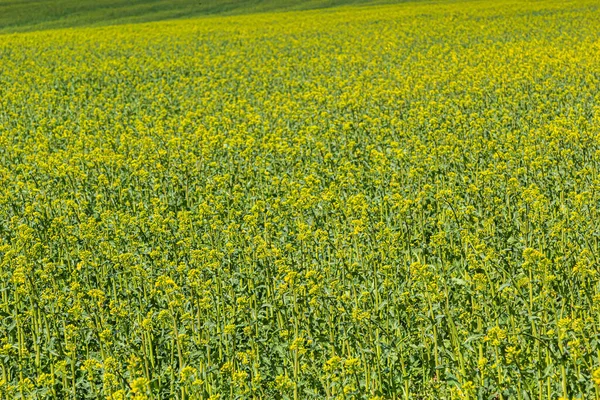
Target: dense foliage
371,203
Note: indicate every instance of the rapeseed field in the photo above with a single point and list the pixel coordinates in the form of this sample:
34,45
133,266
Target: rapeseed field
378,202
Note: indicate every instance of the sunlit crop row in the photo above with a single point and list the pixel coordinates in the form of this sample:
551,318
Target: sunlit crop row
396,202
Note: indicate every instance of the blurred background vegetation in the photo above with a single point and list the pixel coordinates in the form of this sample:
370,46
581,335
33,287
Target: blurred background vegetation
31,15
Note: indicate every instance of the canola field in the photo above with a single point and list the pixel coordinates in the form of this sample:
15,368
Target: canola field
378,202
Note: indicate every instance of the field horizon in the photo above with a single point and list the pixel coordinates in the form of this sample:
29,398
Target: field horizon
38,15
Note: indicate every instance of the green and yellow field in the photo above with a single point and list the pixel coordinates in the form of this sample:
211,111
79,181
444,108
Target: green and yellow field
372,202
33,15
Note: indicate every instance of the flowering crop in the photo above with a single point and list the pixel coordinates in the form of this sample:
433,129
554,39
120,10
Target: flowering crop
358,203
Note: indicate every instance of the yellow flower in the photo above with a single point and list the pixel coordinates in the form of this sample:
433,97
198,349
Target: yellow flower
596,377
